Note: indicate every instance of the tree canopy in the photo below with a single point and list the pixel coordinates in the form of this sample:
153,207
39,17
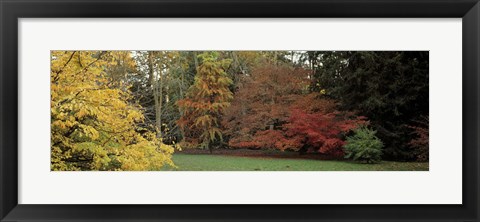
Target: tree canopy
93,126
131,110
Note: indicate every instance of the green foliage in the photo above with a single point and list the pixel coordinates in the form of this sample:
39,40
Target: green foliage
364,146
390,88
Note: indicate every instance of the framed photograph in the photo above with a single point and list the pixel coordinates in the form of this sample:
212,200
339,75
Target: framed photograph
311,110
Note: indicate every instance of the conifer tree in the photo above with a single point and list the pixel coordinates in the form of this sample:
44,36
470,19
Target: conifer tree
206,101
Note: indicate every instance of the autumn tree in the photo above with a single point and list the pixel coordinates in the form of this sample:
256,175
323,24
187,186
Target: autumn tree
121,66
420,141
162,78
273,109
205,102
316,125
93,124
262,103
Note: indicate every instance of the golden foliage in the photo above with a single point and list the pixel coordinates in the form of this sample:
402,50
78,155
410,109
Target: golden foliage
93,126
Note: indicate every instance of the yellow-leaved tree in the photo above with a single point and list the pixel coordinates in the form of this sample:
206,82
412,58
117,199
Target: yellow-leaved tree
94,125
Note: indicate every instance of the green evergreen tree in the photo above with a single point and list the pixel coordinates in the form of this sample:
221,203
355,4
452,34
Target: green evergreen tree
389,87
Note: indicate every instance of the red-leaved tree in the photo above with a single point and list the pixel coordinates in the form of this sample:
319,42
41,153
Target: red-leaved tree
261,105
273,109
420,142
320,131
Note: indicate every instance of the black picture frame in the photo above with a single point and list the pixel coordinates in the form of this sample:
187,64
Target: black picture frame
11,11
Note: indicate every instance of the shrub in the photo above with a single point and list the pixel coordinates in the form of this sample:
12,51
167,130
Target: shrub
420,141
322,131
364,146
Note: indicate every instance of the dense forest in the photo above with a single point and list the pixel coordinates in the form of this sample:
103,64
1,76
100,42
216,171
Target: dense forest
133,110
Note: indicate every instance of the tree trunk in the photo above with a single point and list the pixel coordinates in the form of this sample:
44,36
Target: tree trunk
195,58
293,57
155,86
182,78
150,68
160,100
237,63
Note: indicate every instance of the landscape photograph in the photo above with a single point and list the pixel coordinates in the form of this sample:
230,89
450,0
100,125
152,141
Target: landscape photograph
239,110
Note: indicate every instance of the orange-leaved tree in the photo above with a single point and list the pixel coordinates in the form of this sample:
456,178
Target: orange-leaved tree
273,109
205,103
261,106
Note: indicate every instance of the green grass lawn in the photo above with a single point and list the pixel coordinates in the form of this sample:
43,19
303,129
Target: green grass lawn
206,162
